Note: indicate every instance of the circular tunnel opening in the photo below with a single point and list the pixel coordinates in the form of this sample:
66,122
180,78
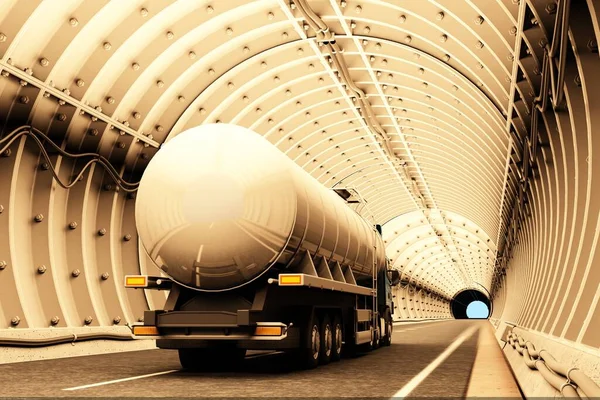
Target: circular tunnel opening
471,304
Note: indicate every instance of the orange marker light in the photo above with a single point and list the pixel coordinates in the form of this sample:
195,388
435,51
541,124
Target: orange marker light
136,281
268,331
142,330
290,279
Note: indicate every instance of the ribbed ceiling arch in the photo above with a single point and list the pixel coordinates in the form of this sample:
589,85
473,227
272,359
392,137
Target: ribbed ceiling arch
429,134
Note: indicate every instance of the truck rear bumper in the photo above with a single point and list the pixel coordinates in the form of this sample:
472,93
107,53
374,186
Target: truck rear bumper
198,334
288,341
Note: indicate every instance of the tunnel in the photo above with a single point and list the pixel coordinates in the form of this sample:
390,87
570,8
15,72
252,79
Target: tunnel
450,143
470,303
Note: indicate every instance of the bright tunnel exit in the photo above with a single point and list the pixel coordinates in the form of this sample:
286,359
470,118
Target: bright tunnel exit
478,309
470,303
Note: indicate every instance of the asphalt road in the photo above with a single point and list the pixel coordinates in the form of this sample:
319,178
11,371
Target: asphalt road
413,364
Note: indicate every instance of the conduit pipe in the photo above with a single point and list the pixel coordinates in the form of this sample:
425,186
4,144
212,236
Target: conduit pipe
11,342
33,133
553,371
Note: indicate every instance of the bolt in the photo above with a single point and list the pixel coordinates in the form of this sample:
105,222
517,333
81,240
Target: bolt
159,128
41,269
61,117
144,12
137,115
121,145
55,320
2,37
24,100
93,132
101,232
513,31
542,43
75,273
108,187
551,8
192,55
593,45
578,80
15,320
479,20
106,45
440,16
2,265
73,22
160,83
39,218
135,66
7,153
80,82
45,166
140,319
73,225
116,320
110,100
170,35
105,276
88,320
144,156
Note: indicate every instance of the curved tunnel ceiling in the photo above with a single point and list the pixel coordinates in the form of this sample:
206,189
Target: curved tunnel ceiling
408,108
444,252
422,109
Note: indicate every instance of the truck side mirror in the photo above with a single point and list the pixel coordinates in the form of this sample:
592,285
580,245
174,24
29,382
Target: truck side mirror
394,276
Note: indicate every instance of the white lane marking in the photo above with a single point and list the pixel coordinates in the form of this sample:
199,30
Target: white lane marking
121,380
420,377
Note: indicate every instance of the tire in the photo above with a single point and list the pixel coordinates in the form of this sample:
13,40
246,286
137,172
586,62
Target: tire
326,333
376,339
309,353
389,329
337,336
206,359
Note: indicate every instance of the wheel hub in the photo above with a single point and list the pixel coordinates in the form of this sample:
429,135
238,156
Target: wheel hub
328,341
338,339
315,340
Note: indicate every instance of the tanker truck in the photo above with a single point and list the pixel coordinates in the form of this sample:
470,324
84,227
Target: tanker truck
256,255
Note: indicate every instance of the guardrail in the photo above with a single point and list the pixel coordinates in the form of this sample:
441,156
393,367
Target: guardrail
553,371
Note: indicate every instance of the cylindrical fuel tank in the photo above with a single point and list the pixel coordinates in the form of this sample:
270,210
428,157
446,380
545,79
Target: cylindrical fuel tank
219,205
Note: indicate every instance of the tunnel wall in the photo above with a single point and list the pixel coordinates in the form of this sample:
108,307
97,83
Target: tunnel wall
412,305
64,252
552,283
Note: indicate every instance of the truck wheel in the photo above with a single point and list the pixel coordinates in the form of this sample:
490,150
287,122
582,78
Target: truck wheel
308,354
389,329
326,333
205,359
337,339
194,359
377,338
